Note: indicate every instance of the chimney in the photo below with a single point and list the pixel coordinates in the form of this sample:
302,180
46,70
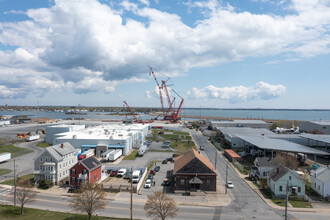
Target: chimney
62,146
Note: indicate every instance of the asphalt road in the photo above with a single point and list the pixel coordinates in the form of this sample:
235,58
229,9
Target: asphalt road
246,204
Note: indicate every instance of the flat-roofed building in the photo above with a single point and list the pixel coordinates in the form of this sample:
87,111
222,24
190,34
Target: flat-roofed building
125,137
240,123
317,127
55,130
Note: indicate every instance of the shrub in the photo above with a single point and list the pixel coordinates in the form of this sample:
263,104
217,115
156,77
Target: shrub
45,184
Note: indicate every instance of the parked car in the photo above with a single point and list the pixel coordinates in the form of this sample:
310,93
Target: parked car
127,175
73,189
230,184
171,159
170,149
175,155
150,176
164,162
109,172
152,172
201,148
157,168
114,173
166,182
148,183
121,172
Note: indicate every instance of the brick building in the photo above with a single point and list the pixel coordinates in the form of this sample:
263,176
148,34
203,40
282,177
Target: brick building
194,172
86,170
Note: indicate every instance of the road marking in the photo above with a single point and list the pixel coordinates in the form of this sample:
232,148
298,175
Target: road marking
116,207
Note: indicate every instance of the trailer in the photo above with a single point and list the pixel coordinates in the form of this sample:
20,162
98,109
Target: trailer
142,150
32,137
105,155
86,154
115,154
5,157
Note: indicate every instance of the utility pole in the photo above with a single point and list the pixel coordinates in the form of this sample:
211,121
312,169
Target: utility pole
14,183
226,176
286,201
215,163
131,193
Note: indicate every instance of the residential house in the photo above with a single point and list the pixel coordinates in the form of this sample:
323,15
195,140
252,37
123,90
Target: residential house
53,163
193,172
86,170
281,176
262,166
321,181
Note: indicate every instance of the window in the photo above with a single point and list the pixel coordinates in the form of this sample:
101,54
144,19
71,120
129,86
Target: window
63,173
60,166
281,188
84,171
73,180
182,181
46,159
299,189
41,168
319,187
73,171
289,177
95,177
51,159
40,159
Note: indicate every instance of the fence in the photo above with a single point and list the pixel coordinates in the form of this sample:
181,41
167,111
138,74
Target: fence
120,188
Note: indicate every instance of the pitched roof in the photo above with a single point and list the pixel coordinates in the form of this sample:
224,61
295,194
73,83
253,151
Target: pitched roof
265,161
323,174
278,172
184,159
64,148
91,163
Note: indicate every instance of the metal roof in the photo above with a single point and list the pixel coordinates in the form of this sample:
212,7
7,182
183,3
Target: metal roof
244,131
280,145
317,137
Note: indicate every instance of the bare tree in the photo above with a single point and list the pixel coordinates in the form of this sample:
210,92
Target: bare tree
25,194
286,160
160,206
89,199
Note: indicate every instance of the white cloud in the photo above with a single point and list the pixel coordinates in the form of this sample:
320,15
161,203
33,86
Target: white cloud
261,90
86,46
145,2
148,94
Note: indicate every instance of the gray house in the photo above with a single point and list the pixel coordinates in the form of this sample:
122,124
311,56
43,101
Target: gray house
279,177
262,166
54,162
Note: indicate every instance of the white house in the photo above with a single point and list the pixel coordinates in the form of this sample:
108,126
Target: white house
278,178
54,162
262,166
321,181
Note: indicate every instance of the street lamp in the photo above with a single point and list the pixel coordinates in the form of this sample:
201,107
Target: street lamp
226,174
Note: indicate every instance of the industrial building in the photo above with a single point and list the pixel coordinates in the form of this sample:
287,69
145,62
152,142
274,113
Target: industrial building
240,123
316,127
52,131
105,137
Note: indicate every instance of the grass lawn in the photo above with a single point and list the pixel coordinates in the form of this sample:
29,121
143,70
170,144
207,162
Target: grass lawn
11,181
4,171
15,151
278,201
11,212
300,204
43,145
132,156
180,141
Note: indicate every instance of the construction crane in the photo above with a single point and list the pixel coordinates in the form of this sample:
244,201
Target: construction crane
170,113
135,118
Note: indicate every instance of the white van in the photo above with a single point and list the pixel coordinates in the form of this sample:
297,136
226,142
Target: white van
136,176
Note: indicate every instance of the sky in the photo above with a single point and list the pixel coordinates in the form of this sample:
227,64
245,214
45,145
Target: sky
213,54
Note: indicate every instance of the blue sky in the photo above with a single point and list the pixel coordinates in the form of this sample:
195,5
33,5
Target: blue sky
218,54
